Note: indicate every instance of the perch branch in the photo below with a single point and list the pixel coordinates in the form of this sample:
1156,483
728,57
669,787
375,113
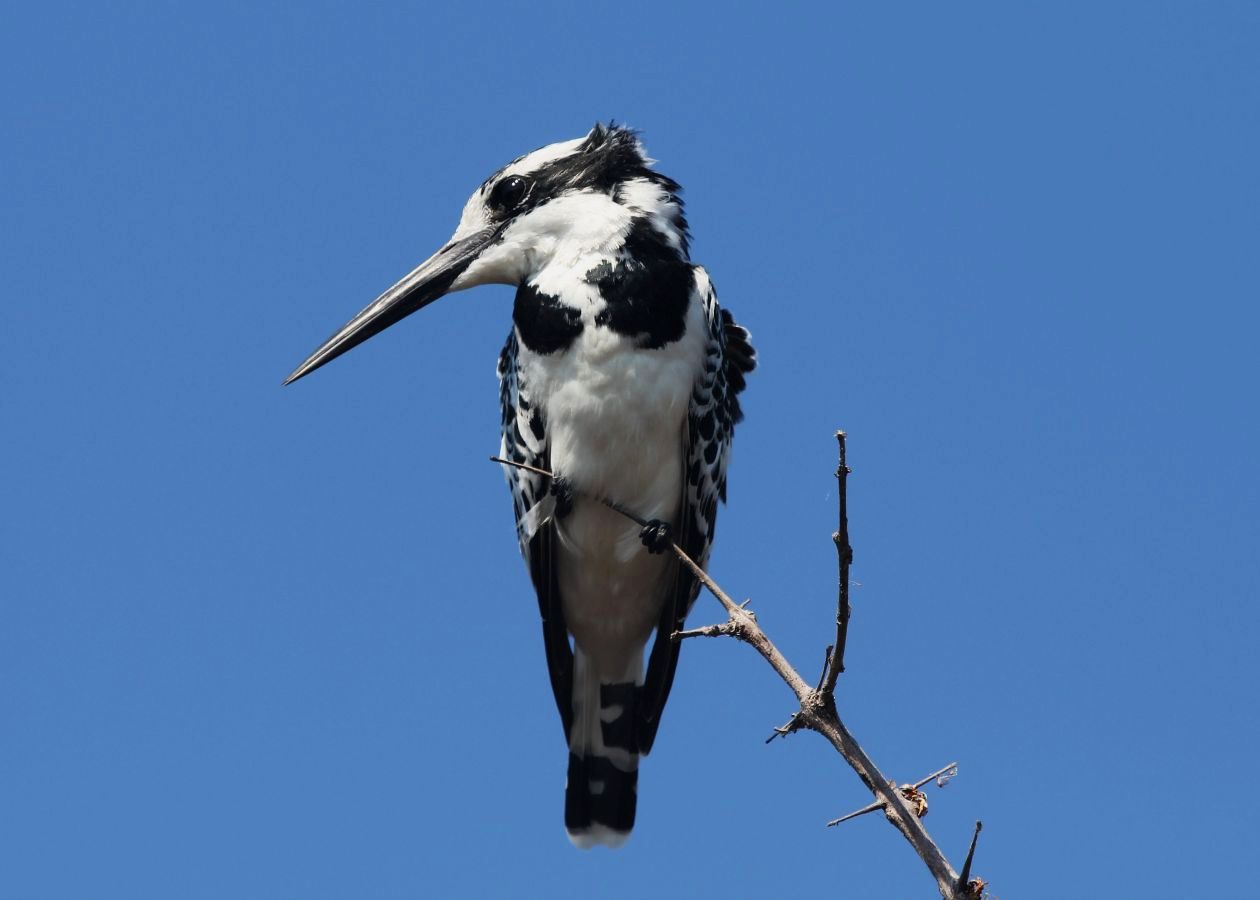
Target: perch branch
817,705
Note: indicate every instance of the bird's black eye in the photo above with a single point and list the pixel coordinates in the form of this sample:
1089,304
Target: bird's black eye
508,193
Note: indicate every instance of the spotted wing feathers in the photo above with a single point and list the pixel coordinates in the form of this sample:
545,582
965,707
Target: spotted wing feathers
525,441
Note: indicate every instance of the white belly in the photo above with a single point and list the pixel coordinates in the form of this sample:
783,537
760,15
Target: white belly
616,424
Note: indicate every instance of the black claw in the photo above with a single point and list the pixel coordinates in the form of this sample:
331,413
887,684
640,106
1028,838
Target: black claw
563,492
657,536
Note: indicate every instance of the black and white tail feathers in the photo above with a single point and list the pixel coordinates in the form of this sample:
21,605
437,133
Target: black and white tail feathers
601,790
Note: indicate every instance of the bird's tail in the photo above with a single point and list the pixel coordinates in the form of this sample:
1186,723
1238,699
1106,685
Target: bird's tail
600,794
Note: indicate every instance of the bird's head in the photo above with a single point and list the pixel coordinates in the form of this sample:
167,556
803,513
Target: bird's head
557,206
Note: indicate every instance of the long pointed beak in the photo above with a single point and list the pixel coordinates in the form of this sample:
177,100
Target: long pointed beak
424,284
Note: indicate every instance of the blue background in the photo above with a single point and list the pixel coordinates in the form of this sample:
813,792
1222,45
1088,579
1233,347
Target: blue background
265,642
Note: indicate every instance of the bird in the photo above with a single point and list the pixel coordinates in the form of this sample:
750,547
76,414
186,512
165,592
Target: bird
620,380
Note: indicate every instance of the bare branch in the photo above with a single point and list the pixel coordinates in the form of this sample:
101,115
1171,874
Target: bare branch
817,705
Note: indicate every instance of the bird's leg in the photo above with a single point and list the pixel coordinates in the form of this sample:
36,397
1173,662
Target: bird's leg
657,536
562,490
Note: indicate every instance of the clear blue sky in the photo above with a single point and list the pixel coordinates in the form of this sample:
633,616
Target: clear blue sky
260,642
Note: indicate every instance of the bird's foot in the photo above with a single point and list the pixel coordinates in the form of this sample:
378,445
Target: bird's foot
563,492
657,536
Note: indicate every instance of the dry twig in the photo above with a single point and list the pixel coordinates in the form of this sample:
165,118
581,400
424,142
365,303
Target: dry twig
844,557
817,710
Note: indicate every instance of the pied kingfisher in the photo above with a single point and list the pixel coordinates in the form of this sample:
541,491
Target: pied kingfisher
621,376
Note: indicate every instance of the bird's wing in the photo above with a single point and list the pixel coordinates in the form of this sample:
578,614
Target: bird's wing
525,441
711,420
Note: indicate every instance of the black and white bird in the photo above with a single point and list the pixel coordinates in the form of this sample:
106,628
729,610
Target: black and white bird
621,376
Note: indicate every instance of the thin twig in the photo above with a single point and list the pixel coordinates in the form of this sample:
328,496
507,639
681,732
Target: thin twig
844,558
942,776
520,465
615,507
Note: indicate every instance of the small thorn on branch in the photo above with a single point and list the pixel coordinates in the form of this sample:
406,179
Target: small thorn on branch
729,627
792,724
869,808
